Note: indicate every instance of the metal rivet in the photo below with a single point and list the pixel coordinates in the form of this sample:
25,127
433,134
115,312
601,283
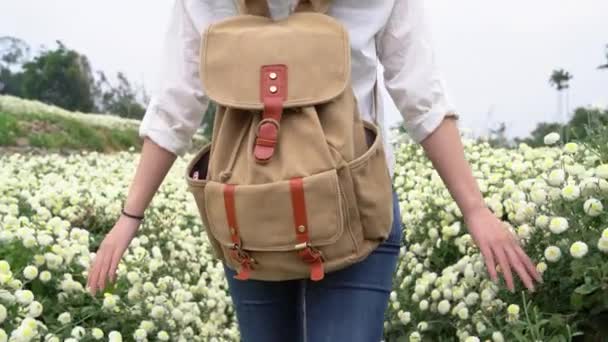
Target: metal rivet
301,229
273,75
273,89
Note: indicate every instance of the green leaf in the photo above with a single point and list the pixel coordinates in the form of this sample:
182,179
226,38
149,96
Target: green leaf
586,289
576,300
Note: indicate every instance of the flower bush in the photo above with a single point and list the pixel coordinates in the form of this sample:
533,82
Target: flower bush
553,198
54,211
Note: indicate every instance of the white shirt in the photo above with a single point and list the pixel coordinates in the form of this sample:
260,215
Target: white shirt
393,33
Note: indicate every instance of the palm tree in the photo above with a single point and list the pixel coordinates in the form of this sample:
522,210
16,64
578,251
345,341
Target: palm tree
605,66
560,80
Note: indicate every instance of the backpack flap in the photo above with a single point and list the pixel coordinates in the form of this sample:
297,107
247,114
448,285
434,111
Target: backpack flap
312,48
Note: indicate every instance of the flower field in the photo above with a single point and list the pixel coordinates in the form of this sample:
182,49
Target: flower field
54,211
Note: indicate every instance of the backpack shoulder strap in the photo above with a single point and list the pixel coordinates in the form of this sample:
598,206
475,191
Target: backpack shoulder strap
260,7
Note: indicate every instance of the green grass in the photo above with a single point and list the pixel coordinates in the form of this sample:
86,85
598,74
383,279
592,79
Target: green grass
35,125
9,129
54,132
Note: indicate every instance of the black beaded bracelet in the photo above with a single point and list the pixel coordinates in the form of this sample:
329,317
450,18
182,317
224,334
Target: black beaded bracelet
131,216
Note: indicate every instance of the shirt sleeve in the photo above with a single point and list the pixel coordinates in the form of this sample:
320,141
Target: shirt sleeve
178,103
411,75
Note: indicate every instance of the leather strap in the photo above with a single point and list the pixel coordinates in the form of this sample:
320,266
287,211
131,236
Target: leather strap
273,93
260,7
237,253
306,252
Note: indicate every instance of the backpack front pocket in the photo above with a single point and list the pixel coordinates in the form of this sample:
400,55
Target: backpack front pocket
372,188
266,214
195,175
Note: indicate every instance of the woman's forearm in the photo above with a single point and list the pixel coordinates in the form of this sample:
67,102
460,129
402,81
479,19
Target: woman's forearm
445,150
154,164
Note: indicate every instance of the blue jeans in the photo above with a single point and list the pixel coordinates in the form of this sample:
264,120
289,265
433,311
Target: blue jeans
347,305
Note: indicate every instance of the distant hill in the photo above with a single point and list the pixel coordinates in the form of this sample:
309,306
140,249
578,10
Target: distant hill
32,125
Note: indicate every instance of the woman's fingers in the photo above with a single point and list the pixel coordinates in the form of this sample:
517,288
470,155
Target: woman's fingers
114,264
94,272
504,265
528,264
105,265
515,261
489,260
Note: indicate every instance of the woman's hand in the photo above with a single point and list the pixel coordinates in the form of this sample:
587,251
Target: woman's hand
110,252
498,244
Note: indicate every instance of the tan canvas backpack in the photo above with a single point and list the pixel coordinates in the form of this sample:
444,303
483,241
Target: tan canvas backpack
291,186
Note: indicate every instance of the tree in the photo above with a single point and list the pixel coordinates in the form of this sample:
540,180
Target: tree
61,77
584,119
560,80
605,66
498,136
121,100
537,137
208,119
13,53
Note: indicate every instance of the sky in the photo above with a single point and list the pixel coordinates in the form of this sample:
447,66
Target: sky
496,56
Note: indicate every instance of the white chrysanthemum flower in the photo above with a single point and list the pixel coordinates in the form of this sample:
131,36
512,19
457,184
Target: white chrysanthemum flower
513,310
163,336
541,267
5,267
571,192
78,332
34,309
605,233
524,231
557,177
538,196
463,313
30,272
497,337
472,339
97,333
148,326
115,336
602,171
551,138
45,276
24,297
552,253
571,147
65,318
415,337
3,313
443,307
578,249
405,317
110,301
140,335
593,207
542,221
602,244
157,312
423,305
558,225
422,326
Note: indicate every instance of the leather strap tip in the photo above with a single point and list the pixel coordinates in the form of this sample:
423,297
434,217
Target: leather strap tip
243,274
263,154
316,271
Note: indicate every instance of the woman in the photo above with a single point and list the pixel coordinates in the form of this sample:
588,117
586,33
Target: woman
347,305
